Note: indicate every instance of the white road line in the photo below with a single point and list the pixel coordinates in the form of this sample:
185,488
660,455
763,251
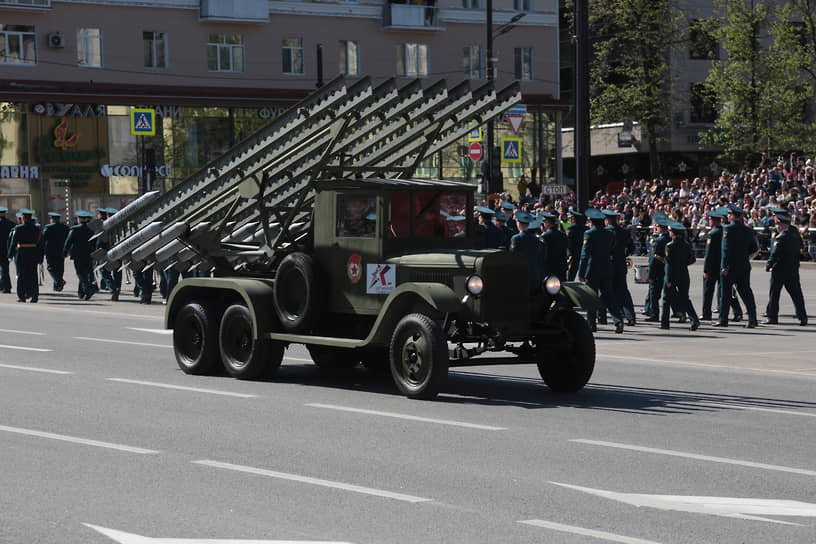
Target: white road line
753,408
24,348
628,358
23,332
35,369
75,440
313,481
299,359
167,332
408,417
611,537
183,388
122,342
672,453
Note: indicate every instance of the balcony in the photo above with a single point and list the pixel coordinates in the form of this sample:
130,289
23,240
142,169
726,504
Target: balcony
411,17
235,11
26,4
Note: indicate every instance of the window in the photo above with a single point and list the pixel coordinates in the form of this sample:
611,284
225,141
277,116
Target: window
702,44
523,5
701,104
155,49
18,44
413,60
472,4
33,3
89,47
225,53
524,63
356,217
349,58
292,55
473,62
439,215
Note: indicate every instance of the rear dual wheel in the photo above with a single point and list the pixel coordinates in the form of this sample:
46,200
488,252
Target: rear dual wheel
245,357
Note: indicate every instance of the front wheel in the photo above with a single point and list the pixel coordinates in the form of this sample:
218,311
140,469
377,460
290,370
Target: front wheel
195,339
244,356
569,369
418,357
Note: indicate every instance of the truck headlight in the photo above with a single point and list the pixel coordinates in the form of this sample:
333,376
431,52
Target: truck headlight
552,285
474,285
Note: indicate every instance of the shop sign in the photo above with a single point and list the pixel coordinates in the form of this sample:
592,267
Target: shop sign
108,170
271,112
59,154
21,171
70,110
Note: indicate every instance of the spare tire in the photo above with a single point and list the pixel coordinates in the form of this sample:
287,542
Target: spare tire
297,293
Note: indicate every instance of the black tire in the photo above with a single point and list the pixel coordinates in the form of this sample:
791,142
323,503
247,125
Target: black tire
243,356
569,370
195,339
329,358
297,293
418,357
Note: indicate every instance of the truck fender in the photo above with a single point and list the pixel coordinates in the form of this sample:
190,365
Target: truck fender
216,294
581,295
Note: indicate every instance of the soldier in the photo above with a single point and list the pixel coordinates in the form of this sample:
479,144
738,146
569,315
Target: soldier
557,244
54,235
595,267
111,280
711,268
737,246
78,245
509,209
494,237
501,222
6,227
624,247
575,237
526,243
679,256
783,264
657,260
24,248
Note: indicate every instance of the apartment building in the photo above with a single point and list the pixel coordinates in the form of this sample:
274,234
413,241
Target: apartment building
73,71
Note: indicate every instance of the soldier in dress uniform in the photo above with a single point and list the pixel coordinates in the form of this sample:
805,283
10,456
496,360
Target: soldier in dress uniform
111,280
6,227
509,210
738,245
556,244
528,244
494,237
501,221
54,235
79,246
711,268
24,247
595,267
678,257
657,260
575,237
624,247
783,264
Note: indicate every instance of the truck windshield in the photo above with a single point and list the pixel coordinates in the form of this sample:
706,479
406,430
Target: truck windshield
436,214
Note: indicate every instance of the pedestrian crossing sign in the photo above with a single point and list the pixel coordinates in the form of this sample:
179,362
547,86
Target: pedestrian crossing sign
143,121
511,150
475,135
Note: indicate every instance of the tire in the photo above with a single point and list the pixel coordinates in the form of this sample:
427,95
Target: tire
243,356
296,293
329,358
569,370
418,357
195,339
375,360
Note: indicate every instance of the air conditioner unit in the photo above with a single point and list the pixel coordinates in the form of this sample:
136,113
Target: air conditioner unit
56,40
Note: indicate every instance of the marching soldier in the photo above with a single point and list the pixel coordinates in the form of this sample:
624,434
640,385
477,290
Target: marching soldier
54,235
6,227
657,260
557,246
711,268
112,281
783,264
575,236
528,244
509,210
501,222
595,267
79,246
624,247
493,236
24,248
679,256
738,245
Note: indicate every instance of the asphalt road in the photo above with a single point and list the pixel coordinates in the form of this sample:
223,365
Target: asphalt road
681,437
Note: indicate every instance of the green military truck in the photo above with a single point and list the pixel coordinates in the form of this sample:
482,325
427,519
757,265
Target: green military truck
334,246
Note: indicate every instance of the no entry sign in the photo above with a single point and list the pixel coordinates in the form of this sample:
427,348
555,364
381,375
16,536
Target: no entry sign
475,151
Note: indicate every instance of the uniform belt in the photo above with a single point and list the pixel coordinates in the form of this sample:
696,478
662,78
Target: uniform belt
26,245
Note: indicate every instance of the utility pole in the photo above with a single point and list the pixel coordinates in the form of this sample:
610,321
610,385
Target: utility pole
489,151
582,145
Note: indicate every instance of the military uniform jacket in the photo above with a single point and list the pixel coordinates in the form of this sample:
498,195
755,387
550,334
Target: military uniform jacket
556,261
596,254
783,261
575,235
678,258
77,244
624,246
494,236
738,244
6,227
713,252
25,241
54,235
657,257
526,243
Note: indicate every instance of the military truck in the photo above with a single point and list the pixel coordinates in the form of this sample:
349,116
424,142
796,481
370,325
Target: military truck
314,232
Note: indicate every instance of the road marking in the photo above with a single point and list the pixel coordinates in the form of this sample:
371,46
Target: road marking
24,348
752,408
611,537
35,369
122,342
167,332
23,332
729,507
184,388
314,481
669,362
408,417
76,440
686,455
132,538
